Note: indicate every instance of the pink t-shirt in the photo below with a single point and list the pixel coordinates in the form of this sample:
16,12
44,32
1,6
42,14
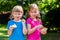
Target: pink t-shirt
36,34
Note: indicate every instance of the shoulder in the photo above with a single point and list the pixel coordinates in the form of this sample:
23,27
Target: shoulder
10,21
29,19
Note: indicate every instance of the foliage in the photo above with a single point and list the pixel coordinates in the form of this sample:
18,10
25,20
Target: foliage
49,9
44,5
6,5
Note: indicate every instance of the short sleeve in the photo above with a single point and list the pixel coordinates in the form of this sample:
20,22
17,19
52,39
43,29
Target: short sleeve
28,21
9,24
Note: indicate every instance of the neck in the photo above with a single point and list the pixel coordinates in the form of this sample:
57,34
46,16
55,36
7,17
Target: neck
33,18
17,20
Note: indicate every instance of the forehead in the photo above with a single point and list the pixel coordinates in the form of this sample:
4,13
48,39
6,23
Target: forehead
33,9
17,13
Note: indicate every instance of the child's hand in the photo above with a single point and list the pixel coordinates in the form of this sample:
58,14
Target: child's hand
13,26
45,28
44,31
23,21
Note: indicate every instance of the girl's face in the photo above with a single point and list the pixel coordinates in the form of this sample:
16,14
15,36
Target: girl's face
17,15
33,13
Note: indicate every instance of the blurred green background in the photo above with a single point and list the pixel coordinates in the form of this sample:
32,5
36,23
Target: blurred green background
50,15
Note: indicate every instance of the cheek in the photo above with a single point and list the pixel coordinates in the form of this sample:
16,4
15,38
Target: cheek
20,15
14,15
31,14
34,14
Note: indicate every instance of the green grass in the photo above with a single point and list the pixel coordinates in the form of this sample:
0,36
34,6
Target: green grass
48,36
3,34
2,25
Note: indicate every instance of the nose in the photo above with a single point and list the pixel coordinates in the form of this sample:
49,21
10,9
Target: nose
17,15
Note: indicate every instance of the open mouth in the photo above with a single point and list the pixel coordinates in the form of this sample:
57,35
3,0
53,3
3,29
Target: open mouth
17,17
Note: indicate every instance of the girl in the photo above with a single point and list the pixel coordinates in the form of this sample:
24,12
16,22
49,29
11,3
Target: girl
34,24
16,26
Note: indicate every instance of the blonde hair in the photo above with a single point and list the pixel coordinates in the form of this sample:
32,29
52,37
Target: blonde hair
35,7
16,8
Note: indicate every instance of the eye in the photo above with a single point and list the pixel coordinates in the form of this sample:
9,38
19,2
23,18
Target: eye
18,13
15,13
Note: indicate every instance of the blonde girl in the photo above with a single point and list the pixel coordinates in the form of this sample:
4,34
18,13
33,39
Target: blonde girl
34,23
16,26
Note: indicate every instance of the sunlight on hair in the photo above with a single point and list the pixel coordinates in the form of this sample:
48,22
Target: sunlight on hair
17,9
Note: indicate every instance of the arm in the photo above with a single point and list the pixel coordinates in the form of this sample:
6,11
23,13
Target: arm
24,31
24,27
10,27
10,31
31,30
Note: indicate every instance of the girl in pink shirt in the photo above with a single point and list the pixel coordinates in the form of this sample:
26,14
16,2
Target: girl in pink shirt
34,24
